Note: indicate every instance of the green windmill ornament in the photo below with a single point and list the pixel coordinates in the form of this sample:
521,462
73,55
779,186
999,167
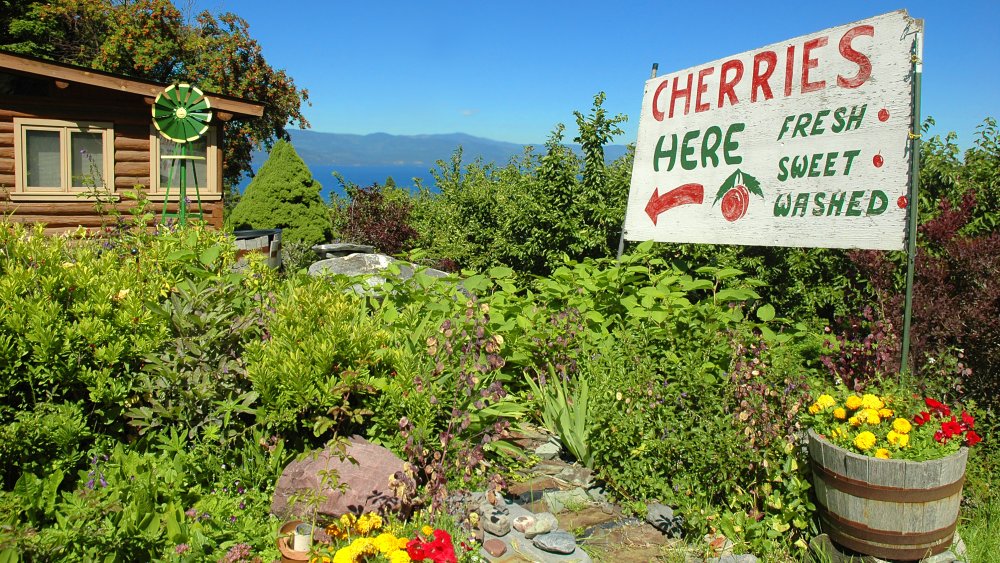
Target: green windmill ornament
181,114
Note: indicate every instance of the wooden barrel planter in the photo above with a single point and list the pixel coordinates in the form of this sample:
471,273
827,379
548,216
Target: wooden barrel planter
263,241
888,508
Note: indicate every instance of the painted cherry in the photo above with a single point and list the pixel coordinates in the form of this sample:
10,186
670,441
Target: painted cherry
735,203
883,115
901,202
877,160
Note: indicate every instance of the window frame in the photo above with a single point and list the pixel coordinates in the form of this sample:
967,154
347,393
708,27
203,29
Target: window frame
66,190
211,191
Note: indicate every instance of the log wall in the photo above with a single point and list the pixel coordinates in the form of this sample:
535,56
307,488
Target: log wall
131,116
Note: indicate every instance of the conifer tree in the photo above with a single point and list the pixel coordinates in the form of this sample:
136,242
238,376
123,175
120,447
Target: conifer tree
284,195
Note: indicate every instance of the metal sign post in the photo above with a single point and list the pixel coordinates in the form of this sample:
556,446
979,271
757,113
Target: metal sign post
911,245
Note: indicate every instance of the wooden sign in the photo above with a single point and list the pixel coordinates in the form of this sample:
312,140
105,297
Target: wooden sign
801,143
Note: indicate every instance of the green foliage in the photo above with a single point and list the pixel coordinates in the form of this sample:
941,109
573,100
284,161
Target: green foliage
318,359
566,411
152,40
284,195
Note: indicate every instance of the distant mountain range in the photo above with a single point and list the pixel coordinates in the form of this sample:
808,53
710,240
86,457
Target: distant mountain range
383,149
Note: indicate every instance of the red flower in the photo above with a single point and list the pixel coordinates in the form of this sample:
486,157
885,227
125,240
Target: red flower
939,436
937,406
416,550
971,438
922,418
951,427
968,421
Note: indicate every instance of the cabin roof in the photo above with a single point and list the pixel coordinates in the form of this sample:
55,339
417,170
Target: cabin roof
71,73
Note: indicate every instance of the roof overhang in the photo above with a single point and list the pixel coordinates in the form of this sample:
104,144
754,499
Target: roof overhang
80,75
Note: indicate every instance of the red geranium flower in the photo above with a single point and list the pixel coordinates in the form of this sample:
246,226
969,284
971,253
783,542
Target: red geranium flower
922,418
971,438
937,406
968,421
951,428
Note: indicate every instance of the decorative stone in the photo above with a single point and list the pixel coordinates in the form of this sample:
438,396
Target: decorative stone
367,482
544,522
574,499
335,249
495,547
495,523
548,450
663,519
742,558
556,542
522,523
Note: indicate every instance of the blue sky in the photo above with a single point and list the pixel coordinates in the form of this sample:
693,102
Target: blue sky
512,69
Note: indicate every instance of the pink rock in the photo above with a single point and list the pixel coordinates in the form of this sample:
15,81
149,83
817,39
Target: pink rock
496,548
522,523
368,481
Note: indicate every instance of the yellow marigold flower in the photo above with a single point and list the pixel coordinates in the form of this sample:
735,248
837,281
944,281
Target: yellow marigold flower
348,520
864,441
853,402
826,401
839,413
882,453
401,542
871,416
870,401
855,420
386,543
336,532
368,523
893,437
399,557
885,413
814,408
904,440
346,555
323,559
427,530
901,425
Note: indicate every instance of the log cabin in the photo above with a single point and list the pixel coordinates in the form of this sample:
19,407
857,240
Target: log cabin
68,133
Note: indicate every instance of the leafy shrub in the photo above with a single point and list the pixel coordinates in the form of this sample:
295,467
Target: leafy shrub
378,216
316,361
284,195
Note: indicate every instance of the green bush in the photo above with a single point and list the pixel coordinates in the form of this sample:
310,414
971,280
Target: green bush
284,195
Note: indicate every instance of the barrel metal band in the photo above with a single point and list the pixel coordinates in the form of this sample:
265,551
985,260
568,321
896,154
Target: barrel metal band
866,490
902,545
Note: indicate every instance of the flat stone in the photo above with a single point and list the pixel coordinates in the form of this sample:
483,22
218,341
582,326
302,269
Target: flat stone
742,558
573,499
586,518
520,549
495,547
335,249
496,523
577,475
548,450
544,522
556,542
521,523
532,489
659,515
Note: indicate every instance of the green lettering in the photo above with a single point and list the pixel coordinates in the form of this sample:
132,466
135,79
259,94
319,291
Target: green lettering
801,203
670,153
729,146
818,203
850,160
836,203
817,127
855,118
782,170
838,120
708,151
801,124
831,159
687,150
781,209
854,206
878,203
813,168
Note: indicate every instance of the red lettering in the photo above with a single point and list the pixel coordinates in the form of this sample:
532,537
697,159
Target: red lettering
789,69
657,114
685,93
702,88
726,87
848,52
808,63
760,78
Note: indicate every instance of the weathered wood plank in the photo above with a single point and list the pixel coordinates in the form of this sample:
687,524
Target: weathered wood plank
7,140
131,143
7,166
132,169
131,156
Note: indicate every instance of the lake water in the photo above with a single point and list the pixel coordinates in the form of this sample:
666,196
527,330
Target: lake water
365,176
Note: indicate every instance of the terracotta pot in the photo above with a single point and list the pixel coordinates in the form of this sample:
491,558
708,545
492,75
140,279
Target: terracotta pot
285,534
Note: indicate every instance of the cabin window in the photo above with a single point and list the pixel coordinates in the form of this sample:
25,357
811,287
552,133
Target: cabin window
62,157
201,170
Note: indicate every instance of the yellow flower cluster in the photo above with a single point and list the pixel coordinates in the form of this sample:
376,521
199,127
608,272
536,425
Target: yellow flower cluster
363,547
857,423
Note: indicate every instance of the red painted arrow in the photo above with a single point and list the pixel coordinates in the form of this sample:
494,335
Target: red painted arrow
682,195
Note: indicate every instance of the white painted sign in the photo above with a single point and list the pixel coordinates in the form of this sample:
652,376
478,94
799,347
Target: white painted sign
801,143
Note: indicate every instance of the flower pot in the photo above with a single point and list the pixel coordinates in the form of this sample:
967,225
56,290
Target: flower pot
887,508
286,538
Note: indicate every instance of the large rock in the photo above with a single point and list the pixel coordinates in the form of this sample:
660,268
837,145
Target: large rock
367,482
363,264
